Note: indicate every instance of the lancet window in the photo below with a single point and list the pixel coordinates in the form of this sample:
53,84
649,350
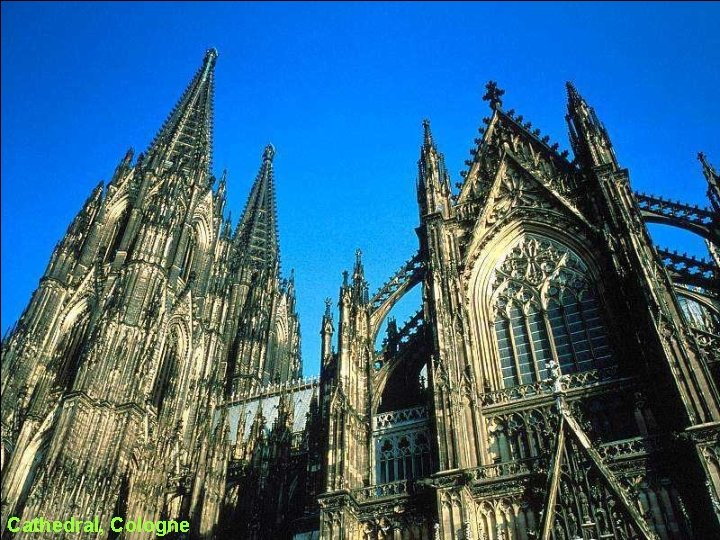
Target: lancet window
116,235
545,307
188,260
165,374
70,351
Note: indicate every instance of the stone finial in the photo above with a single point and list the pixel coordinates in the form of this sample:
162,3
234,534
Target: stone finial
269,153
211,54
328,306
493,94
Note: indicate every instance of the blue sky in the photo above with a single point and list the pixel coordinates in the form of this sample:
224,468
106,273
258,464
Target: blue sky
341,90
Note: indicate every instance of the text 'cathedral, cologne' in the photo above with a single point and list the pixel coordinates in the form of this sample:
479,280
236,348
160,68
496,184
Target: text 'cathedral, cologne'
559,380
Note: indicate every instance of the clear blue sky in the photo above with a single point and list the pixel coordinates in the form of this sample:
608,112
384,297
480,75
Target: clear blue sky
341,90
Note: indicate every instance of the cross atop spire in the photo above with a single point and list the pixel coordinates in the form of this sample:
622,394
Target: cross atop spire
493,94
211,54
186,136
328,308
256,236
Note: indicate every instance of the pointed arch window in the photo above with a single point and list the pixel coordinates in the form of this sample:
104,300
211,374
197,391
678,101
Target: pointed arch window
116,234
163,381
188,260
70,352
545,308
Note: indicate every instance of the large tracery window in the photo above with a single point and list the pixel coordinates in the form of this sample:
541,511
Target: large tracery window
545,308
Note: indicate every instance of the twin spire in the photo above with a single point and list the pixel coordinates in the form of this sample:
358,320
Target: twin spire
256,235
184,142
185,139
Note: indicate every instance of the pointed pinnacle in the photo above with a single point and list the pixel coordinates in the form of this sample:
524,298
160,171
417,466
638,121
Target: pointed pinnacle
211,55
257,226
708,169
574,100
129,156
427,134
572,91
328,304
268,153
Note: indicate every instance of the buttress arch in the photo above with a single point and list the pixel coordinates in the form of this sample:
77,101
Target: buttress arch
387,371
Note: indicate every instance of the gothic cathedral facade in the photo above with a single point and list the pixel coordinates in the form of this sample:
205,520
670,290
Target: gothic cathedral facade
559,381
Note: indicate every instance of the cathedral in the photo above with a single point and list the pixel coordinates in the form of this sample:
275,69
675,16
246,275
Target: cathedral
559,381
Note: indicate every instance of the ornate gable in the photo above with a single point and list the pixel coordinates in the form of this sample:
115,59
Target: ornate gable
505,132
518,194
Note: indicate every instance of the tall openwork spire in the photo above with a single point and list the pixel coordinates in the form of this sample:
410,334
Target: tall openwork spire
256,236
185,139
588,136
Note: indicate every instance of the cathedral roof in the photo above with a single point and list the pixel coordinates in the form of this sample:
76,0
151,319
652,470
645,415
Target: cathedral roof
267,401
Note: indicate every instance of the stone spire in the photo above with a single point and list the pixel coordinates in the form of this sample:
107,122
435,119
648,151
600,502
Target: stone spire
433,185
256,236
327,330
588,136
359,284
185,139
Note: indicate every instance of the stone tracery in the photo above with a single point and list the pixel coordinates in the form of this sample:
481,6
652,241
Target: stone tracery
545,308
